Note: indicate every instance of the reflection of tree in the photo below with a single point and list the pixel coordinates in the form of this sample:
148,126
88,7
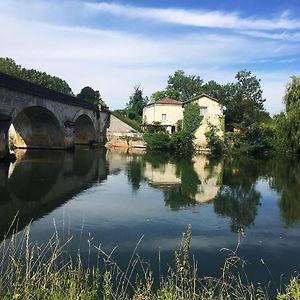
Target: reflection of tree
184,194
239,204
238,198
134,172
175,199
285,180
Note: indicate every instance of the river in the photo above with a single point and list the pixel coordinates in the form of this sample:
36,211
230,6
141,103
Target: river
116,197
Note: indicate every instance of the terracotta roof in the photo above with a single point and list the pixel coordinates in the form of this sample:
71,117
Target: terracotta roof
168,101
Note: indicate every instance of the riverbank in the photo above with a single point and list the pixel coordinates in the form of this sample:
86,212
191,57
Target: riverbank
32,271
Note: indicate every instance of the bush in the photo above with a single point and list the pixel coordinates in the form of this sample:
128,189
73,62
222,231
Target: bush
157,141
182,142
214,142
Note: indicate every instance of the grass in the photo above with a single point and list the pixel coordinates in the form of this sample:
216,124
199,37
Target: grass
32,271
128,121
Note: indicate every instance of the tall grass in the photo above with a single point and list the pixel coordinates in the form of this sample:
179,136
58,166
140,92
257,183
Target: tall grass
34,271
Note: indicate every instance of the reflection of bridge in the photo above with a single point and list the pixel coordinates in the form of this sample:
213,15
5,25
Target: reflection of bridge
42,118
43,180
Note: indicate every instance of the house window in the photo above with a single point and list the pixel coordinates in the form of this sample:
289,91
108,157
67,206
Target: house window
203,110
163,117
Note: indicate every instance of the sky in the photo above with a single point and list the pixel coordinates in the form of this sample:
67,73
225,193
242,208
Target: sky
114,45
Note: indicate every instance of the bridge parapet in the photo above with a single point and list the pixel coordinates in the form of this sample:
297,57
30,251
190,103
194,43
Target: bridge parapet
38,117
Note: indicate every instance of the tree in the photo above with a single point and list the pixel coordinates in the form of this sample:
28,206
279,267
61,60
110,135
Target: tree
187,86
243,100
136,104
9,66
292,93
90,95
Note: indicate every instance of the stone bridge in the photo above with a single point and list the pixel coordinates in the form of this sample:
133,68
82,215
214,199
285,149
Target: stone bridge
32,116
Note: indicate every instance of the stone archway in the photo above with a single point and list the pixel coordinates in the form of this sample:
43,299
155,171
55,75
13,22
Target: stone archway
84,131
36,127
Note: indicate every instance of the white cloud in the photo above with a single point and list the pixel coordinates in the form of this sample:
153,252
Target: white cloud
198,18
114,61
285,36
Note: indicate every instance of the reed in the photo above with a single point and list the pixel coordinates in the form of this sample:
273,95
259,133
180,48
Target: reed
33,271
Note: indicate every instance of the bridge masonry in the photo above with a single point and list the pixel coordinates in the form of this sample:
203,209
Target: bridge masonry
32,116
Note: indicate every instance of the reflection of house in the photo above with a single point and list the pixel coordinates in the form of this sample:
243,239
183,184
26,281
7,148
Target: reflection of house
168,112
209,178
165,111
168,175
162,176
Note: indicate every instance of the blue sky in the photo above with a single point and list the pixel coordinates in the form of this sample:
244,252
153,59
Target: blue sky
115,45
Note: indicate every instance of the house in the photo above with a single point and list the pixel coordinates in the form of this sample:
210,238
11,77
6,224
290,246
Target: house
213,114
167,112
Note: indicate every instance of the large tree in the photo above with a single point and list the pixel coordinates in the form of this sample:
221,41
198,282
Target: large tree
187,86
90,95
243,100
292,93
136,104
9,66
180,87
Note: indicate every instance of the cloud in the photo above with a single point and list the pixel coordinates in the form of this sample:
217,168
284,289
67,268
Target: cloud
197,18
284,36
113,61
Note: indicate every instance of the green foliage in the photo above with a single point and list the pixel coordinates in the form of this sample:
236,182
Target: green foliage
9,66
126,120
214,142
292,93
157,141
167,93
155,127
257,138
243,100
182,142
180,87
188,86
191,117
179,125
136,104
90,95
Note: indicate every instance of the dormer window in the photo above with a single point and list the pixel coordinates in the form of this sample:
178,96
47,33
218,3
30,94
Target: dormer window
203,110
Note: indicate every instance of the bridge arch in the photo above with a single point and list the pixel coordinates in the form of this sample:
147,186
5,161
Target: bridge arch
36,127
84,130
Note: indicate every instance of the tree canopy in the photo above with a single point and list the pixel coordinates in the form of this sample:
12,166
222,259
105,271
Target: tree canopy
9,66
292,93
180,87
90,95
137,102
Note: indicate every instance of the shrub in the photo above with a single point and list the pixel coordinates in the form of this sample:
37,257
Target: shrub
157,141
214,142
182,142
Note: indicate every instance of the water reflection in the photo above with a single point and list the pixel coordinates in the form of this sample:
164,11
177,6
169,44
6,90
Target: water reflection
183,182
238,197
40,181
285,179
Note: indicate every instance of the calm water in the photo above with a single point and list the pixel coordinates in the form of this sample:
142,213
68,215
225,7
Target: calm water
117,197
